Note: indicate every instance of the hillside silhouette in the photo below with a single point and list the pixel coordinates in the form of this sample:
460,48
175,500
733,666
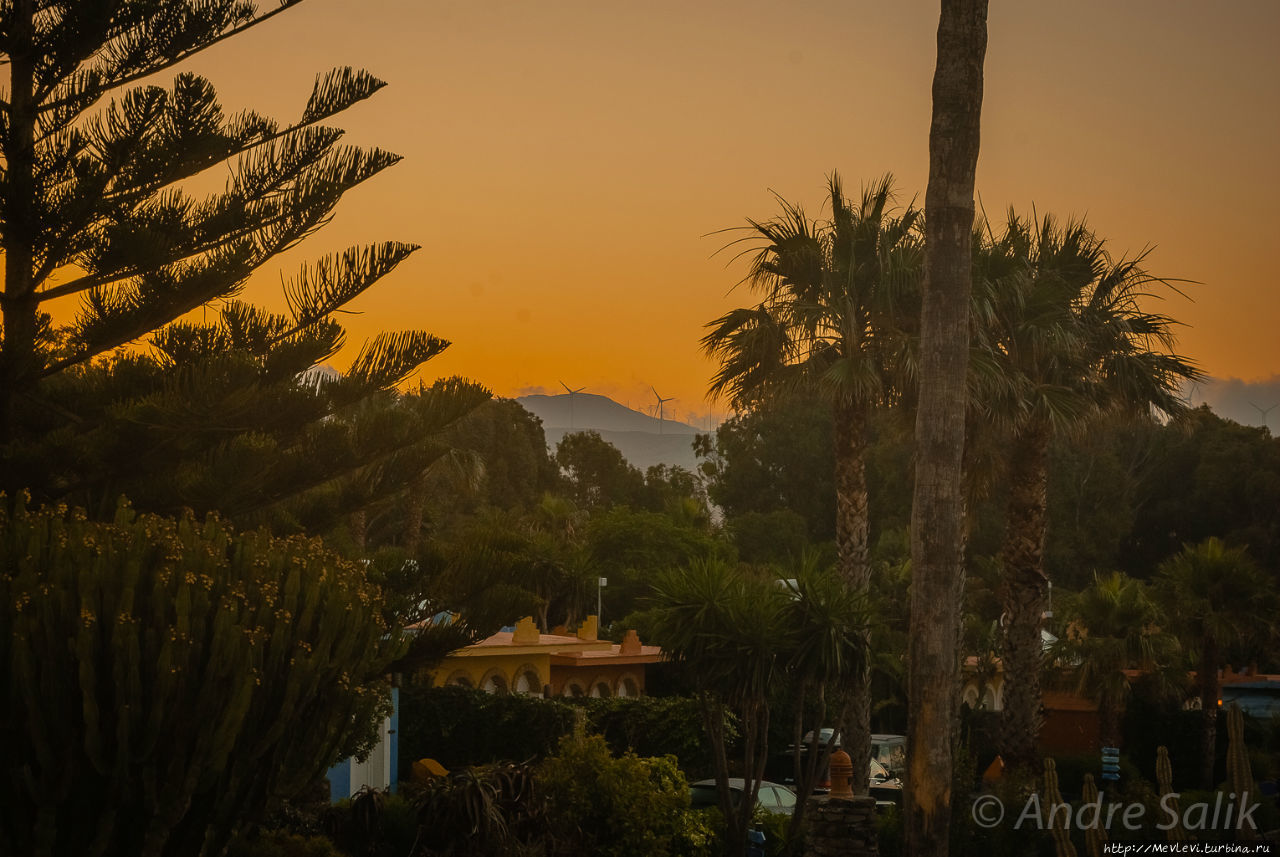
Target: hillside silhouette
636,434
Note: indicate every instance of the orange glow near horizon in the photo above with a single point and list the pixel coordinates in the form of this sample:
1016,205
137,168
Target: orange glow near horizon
565,162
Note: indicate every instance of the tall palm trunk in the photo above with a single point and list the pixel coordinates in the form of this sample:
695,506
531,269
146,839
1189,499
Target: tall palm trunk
1208,710
415,505
1109,720
852,536
938,500
1025,586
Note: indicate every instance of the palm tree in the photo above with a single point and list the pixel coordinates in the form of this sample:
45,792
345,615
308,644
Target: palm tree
835,298
733,630
1217,598
1062,320
1113,626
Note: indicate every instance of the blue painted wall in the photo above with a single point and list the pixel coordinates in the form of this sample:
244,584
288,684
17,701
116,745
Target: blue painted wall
340,774
340,781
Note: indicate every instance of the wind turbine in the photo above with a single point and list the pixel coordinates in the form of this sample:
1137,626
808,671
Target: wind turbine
661,403
571,393
1262,412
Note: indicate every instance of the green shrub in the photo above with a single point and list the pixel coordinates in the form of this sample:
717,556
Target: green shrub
460,727
611,806
889,831
654,726
374,824
774,826
701,834
399,826
279,843
493,810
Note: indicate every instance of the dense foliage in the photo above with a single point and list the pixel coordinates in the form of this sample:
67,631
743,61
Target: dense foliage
617,806
133,392
160,679
459,726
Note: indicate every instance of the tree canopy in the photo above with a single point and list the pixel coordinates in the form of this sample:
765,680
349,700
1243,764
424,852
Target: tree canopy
99,204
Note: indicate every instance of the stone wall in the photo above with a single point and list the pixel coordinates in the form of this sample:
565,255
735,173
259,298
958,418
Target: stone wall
840,827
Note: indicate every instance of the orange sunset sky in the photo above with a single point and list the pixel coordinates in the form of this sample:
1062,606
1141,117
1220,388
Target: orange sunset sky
564,160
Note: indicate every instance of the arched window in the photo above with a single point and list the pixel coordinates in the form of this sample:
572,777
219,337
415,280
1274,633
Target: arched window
573,689
628,687
528,682
494,682
600,688
459,678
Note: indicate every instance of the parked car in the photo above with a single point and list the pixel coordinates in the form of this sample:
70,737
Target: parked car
773,797
884,786
890,751
885,783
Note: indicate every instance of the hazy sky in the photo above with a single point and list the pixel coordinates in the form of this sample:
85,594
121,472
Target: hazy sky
564,160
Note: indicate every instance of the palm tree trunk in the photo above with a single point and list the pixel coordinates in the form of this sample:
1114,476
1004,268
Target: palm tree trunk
1023,593
852,537
1208,710
1109,721
938,501
415,504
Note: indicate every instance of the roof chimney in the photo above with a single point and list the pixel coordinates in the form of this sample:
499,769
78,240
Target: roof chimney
630,643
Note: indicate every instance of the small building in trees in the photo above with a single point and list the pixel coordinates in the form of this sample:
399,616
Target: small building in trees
525,661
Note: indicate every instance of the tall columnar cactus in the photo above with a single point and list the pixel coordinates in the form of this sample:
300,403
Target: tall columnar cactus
1164,777
1057,820
160,679
1095,835
1239,772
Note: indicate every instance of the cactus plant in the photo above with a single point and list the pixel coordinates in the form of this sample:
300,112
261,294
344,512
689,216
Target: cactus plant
1057,822
1164,776
160,679
1095,835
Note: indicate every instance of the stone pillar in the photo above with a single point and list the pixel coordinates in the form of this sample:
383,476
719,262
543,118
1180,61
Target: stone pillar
840,827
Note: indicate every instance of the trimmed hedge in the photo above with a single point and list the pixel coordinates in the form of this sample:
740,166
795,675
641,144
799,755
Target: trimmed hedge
459,726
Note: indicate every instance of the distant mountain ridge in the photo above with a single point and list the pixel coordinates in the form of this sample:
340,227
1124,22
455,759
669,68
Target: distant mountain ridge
635,434
591,411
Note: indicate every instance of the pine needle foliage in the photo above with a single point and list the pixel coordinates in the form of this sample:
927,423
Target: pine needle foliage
101,151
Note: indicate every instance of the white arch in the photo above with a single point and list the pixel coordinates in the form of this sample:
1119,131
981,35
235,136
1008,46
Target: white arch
495,682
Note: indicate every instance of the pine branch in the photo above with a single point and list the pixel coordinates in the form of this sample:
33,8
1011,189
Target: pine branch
157,64
435,408
338,90
304,172
333,281
391,357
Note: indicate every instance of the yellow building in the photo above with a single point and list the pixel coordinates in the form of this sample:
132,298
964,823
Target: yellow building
528,662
